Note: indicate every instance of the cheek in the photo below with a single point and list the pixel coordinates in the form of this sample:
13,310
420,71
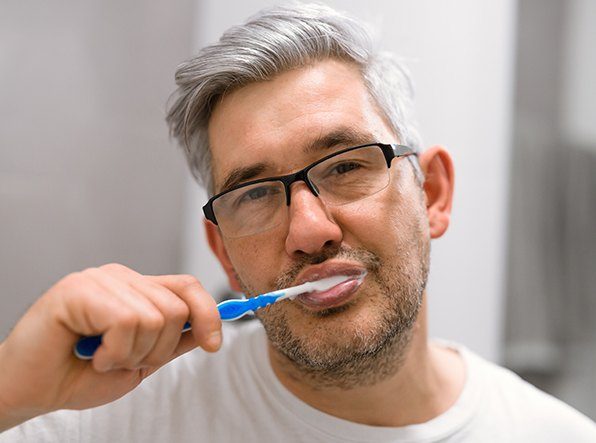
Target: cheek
385,221
256,259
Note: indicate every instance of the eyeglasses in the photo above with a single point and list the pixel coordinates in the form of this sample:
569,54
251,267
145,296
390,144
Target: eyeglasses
342,177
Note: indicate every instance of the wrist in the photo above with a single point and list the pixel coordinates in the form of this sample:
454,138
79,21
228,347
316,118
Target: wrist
9,415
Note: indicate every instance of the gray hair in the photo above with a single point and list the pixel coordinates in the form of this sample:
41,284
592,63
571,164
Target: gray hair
273,41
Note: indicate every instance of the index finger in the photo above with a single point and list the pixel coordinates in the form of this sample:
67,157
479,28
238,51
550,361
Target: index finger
204,316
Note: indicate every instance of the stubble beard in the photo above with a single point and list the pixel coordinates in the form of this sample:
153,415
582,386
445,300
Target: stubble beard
357,354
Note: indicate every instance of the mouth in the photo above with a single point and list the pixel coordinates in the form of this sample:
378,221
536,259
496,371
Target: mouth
336,296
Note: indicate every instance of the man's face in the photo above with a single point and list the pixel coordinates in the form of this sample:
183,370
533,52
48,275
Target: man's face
281,126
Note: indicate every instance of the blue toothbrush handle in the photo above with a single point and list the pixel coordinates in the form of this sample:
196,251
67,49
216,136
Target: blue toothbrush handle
236,308
86,347
228,310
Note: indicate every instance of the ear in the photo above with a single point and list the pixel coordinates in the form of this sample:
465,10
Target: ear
217,246
437,167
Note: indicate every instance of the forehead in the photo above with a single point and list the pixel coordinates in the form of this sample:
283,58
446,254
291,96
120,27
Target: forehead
274,124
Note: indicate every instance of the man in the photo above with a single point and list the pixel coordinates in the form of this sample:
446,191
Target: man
303,137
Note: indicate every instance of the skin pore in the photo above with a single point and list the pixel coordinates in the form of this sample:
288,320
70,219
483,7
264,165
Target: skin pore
369,360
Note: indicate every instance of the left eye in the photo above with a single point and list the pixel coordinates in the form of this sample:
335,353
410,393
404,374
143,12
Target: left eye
345,167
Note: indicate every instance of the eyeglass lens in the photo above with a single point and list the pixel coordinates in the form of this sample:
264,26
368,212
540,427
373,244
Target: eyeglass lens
341,179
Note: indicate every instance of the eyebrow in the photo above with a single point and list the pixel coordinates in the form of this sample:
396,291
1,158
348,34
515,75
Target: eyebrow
345,136
238,175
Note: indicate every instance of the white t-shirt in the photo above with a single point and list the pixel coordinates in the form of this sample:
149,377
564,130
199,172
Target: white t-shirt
233,395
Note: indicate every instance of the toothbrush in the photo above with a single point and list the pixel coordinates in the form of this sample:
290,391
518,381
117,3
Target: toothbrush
234,309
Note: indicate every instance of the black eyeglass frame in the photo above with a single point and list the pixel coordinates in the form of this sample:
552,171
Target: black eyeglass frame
390,151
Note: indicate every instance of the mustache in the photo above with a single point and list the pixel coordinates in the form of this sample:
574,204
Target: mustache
369,260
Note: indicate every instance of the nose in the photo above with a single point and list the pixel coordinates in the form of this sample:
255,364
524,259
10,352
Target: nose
311,227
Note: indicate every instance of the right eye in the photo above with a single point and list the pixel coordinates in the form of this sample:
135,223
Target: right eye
257,195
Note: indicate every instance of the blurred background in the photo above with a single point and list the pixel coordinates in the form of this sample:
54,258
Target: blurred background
88,175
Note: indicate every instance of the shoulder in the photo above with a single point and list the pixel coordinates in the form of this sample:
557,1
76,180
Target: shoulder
528,412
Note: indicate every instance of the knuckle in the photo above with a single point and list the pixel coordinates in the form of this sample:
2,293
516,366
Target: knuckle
74,279
153,322
91,272
179,309
72,287
190,282
171,305
127,319
65,285
113,267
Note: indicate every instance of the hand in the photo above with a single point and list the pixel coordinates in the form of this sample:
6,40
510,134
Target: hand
140,317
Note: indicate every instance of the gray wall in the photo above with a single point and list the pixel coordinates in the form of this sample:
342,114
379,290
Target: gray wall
551,309
87,174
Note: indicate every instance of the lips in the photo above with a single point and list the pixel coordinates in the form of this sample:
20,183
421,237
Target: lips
331,298
337,295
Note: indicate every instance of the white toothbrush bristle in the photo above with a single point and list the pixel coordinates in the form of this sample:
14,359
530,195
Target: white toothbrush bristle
320,285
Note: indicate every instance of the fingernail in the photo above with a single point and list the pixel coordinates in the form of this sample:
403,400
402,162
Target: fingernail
214,340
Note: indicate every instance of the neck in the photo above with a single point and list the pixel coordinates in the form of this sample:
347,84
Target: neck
426,382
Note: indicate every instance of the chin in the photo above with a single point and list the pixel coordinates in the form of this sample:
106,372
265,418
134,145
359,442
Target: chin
331,327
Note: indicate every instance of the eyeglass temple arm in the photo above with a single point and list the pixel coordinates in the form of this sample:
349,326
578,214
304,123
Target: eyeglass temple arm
406,151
